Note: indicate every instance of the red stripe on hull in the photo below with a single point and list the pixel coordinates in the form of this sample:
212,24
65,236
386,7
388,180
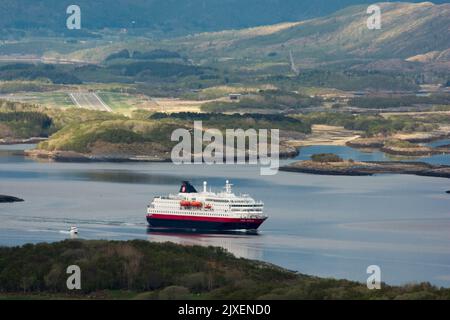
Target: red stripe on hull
206,219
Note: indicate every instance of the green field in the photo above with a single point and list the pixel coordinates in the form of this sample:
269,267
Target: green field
120,102
55,99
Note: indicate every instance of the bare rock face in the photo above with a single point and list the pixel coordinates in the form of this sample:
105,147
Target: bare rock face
9,199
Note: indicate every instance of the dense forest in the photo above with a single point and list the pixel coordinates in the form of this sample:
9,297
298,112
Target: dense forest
22,124
141,269
237,120
28,71
371,125
402,101
146,67
357,80
279,100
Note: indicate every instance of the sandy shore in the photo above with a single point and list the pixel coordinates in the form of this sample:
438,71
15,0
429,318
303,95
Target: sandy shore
326,135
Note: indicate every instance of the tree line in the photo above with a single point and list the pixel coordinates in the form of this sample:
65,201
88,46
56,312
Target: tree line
170,271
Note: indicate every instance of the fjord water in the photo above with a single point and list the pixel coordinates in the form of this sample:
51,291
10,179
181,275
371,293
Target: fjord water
320,225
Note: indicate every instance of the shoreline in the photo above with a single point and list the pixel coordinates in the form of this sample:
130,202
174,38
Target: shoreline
385,145
32,140
369,168
287,152
71,156
415,152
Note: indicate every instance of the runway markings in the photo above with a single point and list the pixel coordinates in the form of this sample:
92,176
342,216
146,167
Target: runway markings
89,100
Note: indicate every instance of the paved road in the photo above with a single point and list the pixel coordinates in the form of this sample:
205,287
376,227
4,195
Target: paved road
6,58
89,100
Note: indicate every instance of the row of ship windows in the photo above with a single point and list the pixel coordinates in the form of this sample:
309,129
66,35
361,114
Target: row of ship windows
258,207
218,205
201,213
208,200
246,205
229,201
221,203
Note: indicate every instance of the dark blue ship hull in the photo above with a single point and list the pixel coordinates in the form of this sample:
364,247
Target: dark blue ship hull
202,223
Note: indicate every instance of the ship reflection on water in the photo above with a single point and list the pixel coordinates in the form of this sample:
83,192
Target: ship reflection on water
232,241
201,232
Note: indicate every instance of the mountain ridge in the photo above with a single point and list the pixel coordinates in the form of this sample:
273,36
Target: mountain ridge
179,16
407,30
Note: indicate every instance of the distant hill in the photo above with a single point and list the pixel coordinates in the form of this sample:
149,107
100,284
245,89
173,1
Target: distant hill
408,30
170,16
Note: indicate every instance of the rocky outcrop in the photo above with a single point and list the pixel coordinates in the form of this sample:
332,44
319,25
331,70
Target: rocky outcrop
398,147
366,143
108,152
352,168
9,141
9,199
418,151
71,156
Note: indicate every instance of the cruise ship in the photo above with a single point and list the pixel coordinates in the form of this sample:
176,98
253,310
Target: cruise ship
207,210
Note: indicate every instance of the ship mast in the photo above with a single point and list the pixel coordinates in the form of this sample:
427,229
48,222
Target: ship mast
228,186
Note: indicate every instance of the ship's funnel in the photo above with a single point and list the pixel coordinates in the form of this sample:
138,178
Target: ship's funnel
186,187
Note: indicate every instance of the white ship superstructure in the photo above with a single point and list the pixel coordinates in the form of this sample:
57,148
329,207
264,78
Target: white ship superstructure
206,210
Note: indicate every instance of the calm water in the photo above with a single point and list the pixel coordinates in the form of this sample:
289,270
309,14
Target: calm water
355,154
321,225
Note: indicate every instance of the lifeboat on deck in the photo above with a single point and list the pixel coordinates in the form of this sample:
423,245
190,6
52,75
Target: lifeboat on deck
196,204
208,206
185,203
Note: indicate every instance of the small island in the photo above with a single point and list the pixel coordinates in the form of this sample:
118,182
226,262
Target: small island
331,164
147,138
9,199
398,147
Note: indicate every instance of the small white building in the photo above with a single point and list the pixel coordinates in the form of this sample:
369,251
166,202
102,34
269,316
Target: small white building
234,96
